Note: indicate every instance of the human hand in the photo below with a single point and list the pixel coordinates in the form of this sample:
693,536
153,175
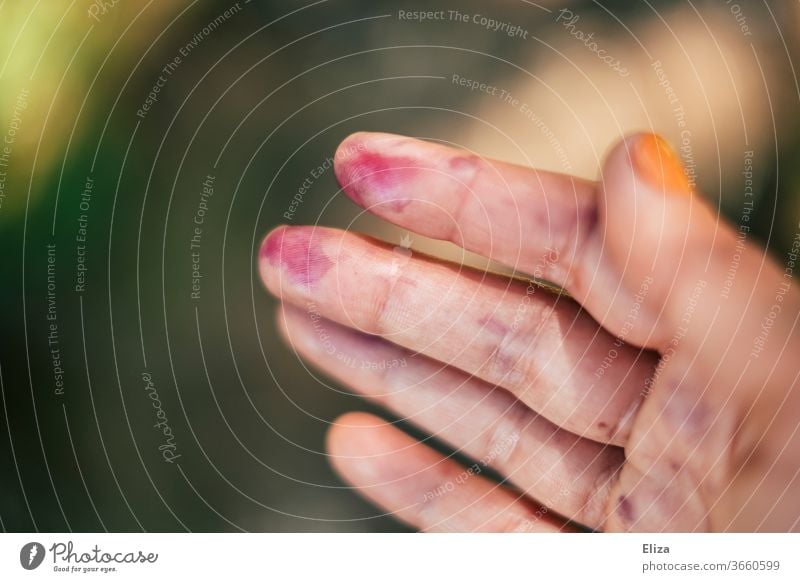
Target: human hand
663,395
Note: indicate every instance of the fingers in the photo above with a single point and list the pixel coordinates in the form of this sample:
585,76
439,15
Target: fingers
705,275
547,225
725,316
423,488
644,502
639,236
723,306
542,348
534,221
568,474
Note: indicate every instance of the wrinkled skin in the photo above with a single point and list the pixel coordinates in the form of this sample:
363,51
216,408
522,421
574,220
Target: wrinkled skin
659,393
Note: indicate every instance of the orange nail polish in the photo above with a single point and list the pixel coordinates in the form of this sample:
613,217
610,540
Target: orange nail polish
658,163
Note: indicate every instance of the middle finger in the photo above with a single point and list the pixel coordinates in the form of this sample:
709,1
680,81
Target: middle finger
541,347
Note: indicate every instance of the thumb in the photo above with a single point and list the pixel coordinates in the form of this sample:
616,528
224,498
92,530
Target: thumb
714,296
723,316
655,227
702,272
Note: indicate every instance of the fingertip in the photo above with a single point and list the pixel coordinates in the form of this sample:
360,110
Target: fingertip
296,251
647,202
270,250
354,442
655,231
658,164
352,144
348,152
646,164
350,434
362,141
372,169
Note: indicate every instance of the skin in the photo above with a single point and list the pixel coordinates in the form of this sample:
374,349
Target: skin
659,393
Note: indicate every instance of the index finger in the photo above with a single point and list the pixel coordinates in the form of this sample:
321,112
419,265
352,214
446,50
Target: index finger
533,221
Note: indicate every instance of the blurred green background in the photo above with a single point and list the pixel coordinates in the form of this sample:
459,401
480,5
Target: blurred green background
100,186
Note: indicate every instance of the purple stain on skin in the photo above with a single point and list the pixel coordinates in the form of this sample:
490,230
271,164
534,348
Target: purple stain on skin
372,178
298,251
688,412
625,509
490,324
